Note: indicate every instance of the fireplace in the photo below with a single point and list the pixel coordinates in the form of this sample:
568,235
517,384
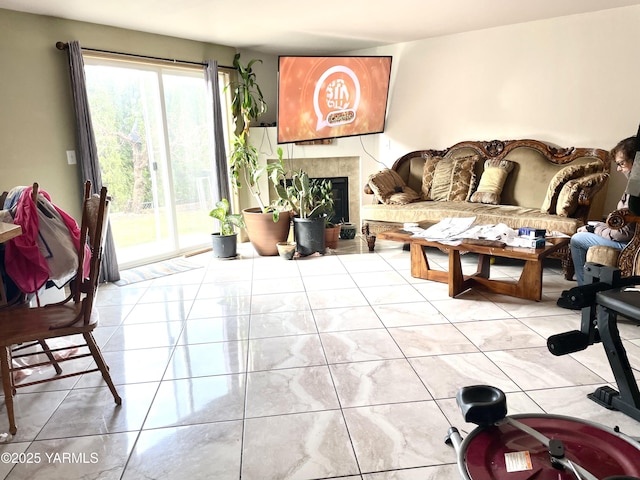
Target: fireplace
340,194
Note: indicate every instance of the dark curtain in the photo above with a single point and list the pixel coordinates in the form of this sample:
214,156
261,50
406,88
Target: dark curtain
220,177
87,153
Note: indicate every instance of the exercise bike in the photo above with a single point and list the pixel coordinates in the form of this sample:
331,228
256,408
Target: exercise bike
537,446
544,446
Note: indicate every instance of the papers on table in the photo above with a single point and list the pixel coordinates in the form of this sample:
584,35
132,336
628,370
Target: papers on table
451,231
447,230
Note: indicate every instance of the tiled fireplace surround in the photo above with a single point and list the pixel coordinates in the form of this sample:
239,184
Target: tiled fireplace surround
326,167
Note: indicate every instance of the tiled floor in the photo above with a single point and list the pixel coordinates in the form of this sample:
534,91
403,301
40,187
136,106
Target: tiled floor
341,366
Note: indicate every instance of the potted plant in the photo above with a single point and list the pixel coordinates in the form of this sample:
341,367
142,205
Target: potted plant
224,242
310,201
265,226
331,233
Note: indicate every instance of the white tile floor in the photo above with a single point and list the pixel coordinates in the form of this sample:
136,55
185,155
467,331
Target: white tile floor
340,366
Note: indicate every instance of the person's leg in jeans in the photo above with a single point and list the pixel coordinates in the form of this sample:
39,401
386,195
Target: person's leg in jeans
579,245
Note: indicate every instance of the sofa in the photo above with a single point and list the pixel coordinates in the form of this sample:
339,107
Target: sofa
521,183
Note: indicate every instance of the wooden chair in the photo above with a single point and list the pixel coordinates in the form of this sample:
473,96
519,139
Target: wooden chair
73,316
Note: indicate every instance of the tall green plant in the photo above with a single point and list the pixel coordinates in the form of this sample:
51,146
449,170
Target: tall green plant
247,105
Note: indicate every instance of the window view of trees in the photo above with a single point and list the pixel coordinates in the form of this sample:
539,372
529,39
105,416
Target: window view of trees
153,130
117,116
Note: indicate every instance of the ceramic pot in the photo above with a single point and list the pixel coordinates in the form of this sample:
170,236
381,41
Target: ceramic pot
348,231
263,232
286,249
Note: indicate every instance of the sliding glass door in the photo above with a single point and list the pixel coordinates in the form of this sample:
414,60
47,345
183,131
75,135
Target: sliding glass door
153,128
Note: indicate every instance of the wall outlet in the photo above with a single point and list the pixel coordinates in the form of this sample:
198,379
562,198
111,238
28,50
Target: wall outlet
71,157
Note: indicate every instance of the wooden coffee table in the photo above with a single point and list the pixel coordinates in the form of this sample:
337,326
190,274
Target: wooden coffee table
528,286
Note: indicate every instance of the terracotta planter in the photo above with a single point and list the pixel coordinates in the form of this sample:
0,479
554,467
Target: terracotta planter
263,232
331,235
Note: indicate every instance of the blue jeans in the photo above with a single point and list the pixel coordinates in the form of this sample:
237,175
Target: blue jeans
579,245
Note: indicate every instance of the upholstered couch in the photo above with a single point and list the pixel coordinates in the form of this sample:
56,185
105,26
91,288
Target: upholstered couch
521,183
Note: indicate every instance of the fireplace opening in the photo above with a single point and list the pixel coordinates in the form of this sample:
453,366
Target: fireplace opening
340,194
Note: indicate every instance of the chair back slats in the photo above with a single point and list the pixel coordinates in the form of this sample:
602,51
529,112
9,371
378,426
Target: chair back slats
34,192
92,228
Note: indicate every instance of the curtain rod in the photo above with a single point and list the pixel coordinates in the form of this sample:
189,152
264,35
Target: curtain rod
65,46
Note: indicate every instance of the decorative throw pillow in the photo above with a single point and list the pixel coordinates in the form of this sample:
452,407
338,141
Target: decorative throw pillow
492,180
407,196
569,194
427,176
442,177
452,179
463,178
387,185
560,178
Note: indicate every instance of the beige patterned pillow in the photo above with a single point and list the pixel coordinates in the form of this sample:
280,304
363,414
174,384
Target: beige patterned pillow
427,176
464,178
452,179
442,178
569,194
559,179
407,196
387,185
492,180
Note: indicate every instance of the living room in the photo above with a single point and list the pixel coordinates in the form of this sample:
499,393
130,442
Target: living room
295,393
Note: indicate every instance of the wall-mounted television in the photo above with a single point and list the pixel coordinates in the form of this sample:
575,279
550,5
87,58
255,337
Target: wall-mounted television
331,97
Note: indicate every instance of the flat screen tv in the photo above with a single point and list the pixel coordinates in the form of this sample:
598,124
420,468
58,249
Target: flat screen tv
331,97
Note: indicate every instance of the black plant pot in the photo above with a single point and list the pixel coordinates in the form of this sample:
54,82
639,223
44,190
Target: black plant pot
224,246
309,235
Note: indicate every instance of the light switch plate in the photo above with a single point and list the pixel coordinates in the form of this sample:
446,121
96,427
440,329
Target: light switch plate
71,157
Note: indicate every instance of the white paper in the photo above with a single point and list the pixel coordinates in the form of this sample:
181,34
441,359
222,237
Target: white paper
447,229
451,231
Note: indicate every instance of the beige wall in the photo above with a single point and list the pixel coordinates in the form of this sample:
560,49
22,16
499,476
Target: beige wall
571,81
36,117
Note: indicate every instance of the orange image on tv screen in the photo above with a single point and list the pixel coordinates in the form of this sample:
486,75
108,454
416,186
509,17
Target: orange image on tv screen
328,97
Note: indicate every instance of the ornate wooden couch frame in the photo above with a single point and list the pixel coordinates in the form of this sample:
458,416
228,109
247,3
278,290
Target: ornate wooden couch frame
556,157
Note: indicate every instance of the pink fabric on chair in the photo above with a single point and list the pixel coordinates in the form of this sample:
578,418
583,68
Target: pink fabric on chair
24,263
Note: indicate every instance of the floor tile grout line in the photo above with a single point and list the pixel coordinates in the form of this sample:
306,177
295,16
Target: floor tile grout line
246,374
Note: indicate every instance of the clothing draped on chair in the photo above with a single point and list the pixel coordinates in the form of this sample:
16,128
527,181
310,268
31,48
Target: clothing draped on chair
220,182
87,151
47,248
72,318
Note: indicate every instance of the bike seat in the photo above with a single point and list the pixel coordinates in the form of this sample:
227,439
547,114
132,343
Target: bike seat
482,404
